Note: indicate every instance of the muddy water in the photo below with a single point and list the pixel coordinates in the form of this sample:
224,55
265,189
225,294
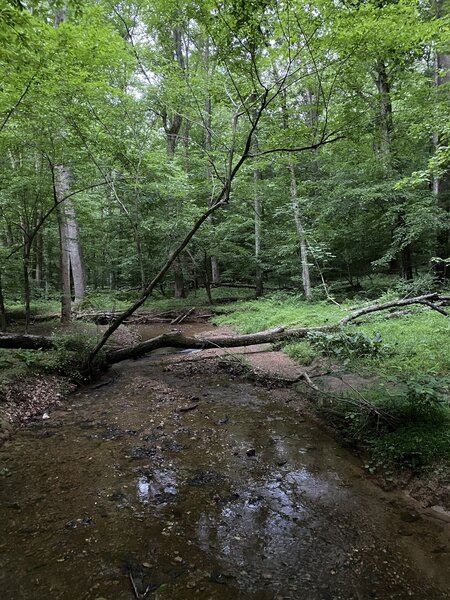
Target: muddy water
180,482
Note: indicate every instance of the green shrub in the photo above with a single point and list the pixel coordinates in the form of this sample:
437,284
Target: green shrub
418,430
411,446
419,400
347,343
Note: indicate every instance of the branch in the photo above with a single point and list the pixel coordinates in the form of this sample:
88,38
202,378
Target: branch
10,113
376,307
47,214
299,149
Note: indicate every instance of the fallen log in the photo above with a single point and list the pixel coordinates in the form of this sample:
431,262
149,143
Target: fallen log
182,317
386,305
26,341
177,340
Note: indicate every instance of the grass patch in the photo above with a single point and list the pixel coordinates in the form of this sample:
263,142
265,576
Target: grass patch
279,310
420,344
301,351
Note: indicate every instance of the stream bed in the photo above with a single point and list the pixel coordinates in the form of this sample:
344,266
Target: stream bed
179,480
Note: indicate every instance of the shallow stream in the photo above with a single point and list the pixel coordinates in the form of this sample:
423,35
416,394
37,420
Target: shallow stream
177,480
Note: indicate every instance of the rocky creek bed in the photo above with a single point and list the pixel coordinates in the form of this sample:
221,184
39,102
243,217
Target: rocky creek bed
179,480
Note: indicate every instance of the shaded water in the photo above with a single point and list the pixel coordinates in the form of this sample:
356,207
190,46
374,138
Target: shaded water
238,497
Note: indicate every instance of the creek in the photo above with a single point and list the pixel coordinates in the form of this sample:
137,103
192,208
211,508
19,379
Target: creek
173,478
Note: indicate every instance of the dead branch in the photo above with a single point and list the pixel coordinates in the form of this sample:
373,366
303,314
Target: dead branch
394,303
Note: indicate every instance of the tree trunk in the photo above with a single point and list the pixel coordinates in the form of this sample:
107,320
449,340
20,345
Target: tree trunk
62,186
306,280
258,207
385,149
26,283
441,183
74,250
180,290
215,272
2,307
406,262
258,223
385,121
39,262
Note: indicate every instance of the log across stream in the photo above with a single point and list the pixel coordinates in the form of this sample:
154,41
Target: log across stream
180,481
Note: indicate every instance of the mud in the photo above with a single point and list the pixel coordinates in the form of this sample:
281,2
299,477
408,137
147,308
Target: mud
122,495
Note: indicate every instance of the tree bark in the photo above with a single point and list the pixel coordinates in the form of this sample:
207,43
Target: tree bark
258,207
306,279
180,290
385,121
385,149
39,262
3,323
441,183
61,187
26,283
305,274
214,263
74,250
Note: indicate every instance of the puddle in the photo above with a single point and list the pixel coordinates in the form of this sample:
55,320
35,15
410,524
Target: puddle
241,497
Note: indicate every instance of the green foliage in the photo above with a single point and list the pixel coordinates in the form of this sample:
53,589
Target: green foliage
347,343
301,351
417,432
411,446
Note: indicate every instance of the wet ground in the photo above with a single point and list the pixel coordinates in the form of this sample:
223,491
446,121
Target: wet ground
179,481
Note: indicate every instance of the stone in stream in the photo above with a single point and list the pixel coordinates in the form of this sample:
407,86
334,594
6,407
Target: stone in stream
136,453
206,478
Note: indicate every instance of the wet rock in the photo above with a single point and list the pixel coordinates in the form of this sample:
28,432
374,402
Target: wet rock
173,446
112,433
135,453
77,522
254,500
141,584
151,437
187,408
165,498
221,578
227,499
404,532
410,516
440,550
206,478
118,496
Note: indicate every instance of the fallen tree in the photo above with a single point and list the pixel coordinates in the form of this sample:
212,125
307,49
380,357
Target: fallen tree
176,339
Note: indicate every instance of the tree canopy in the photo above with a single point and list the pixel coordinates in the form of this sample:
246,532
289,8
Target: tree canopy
303,142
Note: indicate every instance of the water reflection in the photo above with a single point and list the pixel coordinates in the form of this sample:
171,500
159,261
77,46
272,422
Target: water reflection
160,485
